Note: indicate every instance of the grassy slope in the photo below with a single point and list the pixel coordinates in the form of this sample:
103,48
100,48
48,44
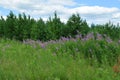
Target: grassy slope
23,62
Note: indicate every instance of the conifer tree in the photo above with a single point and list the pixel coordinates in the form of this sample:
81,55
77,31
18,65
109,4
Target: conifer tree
55,26
9,28
75,24
2,22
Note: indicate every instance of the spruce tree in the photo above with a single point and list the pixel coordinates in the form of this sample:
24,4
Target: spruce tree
9,28
2,22
75,24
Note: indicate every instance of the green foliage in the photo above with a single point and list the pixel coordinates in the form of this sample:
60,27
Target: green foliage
28,23
2,24
75,24
23,61
99,51
108,29
9,28
55,26
81,58
23,27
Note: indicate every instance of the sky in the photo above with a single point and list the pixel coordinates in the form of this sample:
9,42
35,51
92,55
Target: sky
93,11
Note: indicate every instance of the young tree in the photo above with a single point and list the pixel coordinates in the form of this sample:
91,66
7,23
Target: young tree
39,31
19,27
9,28
27,25
2,22
55,26
75,24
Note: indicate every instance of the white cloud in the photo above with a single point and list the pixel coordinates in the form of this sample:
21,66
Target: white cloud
95,10
64,8
62,2
116,15
97,14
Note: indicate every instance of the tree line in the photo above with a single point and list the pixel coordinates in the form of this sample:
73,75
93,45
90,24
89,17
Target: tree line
23,27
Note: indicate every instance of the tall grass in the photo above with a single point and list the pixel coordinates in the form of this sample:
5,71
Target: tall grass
73,59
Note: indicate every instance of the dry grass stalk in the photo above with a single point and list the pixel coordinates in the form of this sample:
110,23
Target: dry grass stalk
116,67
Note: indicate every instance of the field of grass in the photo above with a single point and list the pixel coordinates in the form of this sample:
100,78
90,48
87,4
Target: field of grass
58,60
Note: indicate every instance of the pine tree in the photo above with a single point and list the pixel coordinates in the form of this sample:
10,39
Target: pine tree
2,22
75,24
55,26
9,28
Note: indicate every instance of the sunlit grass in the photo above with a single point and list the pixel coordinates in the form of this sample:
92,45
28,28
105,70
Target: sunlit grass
59,61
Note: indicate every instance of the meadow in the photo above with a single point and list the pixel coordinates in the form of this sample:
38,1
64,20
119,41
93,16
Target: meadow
53,50
76,58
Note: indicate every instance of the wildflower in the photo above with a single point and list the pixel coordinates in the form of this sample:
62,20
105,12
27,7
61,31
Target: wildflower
64,39
51,41
99,36
108,39
79,36
89,36
42,45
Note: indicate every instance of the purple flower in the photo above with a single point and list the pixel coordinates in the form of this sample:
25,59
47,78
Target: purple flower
79,36
64,39
99,36
88,37
108,39
42,45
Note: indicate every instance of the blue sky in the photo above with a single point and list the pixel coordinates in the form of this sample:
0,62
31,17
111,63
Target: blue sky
104,3
94,11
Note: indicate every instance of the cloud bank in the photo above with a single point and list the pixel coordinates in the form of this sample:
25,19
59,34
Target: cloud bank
64,8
